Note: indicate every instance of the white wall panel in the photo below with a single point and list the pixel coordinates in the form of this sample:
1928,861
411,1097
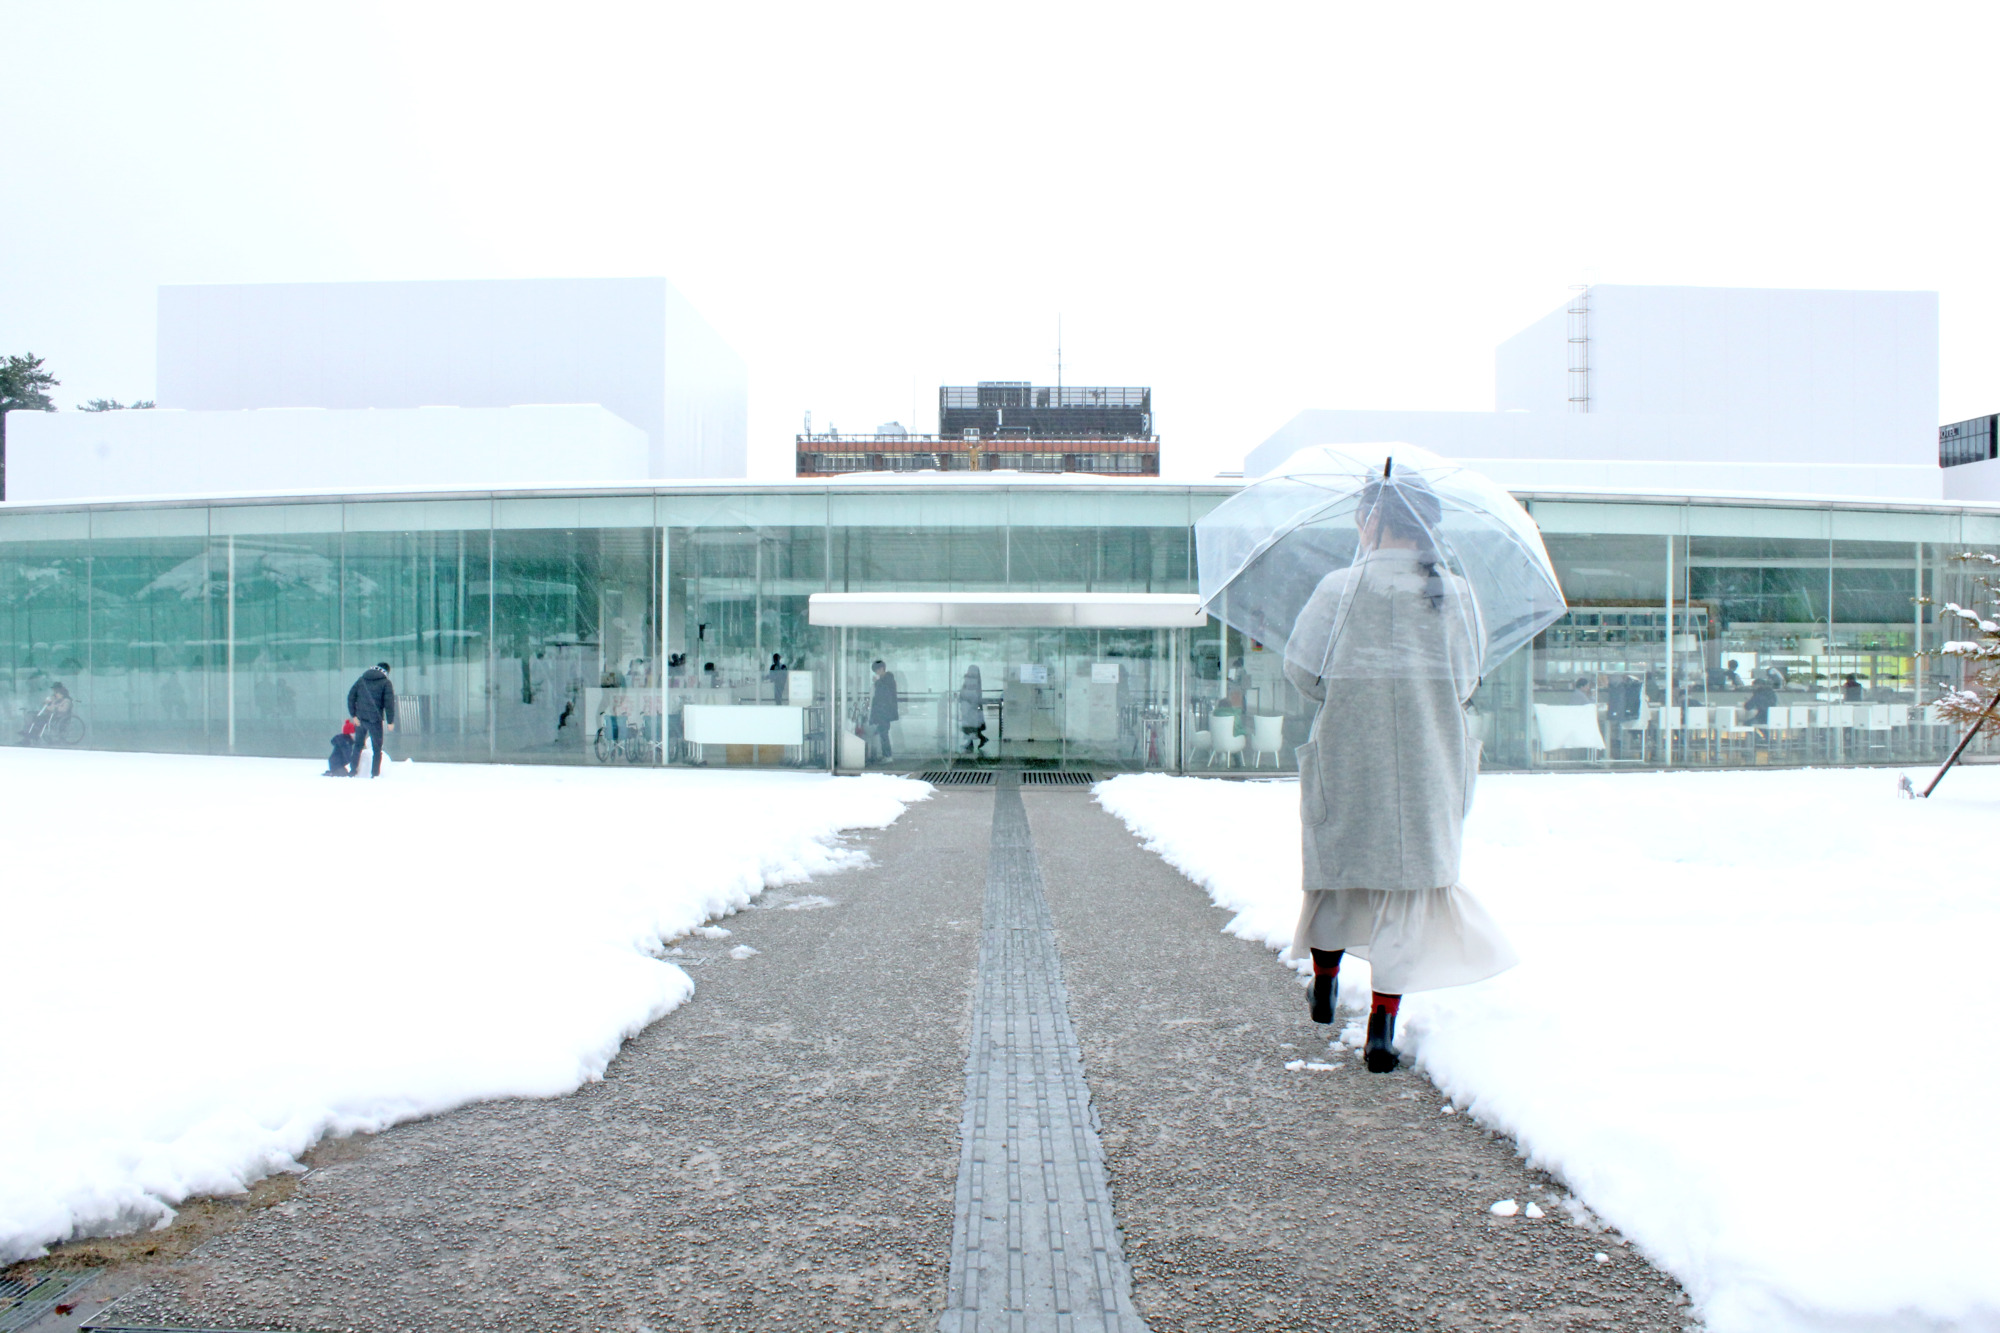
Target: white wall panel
83,455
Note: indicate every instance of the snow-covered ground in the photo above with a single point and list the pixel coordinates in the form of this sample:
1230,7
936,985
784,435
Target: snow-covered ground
214,962
1755,1027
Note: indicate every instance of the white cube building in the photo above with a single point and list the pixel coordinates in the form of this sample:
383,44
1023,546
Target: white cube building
633,346
1693,388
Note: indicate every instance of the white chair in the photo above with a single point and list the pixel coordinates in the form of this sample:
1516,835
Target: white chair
1224,743
1878,720
1639,727
1729,731
1782,724
1692,723
1267,735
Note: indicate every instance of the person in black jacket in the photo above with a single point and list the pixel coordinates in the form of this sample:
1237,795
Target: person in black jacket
371,702
882,710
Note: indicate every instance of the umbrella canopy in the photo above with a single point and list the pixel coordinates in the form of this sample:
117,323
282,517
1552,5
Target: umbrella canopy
1378,561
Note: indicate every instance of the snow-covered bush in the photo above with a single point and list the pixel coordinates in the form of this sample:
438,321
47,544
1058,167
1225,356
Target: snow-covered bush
1981,655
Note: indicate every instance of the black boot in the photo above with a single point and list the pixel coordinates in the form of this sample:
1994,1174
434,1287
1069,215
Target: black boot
1321,995
1381,1051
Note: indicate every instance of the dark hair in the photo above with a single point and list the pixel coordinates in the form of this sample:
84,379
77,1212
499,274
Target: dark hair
1410,508
878,662
1583,682
381,666
1410,512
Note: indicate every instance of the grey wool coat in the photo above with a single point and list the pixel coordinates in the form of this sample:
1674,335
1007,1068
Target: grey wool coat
1386,778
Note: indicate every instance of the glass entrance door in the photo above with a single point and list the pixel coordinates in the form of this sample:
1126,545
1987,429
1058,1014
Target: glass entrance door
1097,699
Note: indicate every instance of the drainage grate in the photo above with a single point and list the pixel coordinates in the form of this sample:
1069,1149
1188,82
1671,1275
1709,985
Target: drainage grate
23,1303
1064,778
958,777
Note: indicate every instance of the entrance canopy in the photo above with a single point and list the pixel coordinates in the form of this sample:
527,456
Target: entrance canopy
1008,610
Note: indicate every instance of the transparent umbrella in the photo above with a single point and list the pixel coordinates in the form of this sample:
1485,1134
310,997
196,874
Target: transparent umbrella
1378,561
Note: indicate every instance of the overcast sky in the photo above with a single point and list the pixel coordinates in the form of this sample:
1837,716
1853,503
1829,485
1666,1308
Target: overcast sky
1254,209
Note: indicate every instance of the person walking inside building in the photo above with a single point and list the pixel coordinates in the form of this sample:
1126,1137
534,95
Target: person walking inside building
882,710
972,711
371,702
1386,776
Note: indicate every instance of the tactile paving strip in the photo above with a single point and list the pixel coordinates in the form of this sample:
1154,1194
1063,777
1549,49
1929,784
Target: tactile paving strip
1034,1243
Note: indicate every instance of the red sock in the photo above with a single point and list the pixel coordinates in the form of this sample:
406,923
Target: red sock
1389,1003
1326,962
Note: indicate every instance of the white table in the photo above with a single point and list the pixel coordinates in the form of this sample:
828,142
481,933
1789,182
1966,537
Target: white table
743,724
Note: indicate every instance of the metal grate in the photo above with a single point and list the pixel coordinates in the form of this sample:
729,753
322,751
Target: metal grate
957,777
1063,778
24,1302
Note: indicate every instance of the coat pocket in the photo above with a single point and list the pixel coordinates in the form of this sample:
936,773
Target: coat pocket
1312,798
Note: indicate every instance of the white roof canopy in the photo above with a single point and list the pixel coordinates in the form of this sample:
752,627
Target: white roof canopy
1002,610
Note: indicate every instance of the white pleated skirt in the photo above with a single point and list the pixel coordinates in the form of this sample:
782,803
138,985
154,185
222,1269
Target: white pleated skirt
1414,939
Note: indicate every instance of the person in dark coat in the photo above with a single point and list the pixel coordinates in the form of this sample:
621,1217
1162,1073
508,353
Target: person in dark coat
972,711
1757,708
371,702
882,710
346,754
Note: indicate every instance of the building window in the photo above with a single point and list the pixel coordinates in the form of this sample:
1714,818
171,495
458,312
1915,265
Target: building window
1972,441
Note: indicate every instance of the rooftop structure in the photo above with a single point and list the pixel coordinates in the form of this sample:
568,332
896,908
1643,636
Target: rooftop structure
1004,426
1017,410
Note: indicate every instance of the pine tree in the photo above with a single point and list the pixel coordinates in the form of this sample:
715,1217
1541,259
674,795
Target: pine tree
24,387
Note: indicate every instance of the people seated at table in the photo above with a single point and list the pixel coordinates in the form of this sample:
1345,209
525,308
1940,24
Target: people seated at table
1756,710
1582,692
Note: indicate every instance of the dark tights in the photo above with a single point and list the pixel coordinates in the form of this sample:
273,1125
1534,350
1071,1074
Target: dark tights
1326,963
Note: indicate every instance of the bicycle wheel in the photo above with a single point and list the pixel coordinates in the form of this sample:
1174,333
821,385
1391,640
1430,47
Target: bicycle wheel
66,730
605,749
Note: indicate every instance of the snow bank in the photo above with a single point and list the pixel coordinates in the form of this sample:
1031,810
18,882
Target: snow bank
214,962
1755,1027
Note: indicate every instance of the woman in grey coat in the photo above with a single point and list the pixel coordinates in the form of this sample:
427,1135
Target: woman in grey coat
1388,648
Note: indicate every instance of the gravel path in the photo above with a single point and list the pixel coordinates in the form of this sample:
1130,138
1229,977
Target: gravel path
782,1151
1253,1197
779,1153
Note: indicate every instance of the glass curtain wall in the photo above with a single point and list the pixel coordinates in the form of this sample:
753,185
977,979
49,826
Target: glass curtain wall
1104,699
674,629
1719,635
747,674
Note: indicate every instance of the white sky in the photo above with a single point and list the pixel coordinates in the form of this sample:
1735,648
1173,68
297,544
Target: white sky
1255,212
